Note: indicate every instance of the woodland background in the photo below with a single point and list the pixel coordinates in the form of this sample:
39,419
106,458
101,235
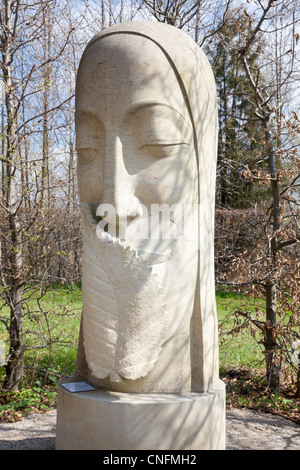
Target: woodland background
253,47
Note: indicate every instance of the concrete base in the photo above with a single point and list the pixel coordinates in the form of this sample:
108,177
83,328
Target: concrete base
98,420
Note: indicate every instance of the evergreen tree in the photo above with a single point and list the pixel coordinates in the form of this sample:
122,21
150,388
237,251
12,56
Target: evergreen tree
240,135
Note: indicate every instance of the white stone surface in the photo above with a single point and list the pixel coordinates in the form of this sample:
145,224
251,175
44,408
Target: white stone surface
101,420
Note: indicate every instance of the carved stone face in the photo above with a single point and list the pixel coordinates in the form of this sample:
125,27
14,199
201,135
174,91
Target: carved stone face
134,136
136,150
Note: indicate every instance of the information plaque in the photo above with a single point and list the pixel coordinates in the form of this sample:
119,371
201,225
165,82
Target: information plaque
78,387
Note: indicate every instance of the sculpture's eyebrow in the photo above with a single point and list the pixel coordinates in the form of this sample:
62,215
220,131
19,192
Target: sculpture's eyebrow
147,104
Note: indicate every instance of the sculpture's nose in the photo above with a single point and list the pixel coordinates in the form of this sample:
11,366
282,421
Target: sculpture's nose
118,204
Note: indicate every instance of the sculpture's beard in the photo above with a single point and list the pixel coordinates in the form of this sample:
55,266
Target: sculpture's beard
124,314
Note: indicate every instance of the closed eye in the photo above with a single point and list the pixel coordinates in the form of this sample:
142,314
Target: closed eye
163,150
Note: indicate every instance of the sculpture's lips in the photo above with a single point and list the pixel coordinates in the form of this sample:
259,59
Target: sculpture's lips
152,251
108,238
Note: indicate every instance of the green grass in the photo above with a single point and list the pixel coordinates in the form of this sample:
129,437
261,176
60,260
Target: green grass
240,349
55,319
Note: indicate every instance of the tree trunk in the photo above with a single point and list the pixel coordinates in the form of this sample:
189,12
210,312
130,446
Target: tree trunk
47,77
13,292
71,174
272,359
298,378
15,368
103,14
3,167
270,344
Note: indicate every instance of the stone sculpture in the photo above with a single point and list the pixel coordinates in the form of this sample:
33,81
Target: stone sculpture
146,139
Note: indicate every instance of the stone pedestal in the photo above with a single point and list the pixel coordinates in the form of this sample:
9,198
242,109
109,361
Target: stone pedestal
98,420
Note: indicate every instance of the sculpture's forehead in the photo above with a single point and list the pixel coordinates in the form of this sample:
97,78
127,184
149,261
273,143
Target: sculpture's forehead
126,67
124,52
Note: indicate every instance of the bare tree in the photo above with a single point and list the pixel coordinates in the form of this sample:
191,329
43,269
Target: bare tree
177,13
10,203
23,27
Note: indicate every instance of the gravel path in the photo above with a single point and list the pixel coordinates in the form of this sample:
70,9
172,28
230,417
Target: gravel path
246,430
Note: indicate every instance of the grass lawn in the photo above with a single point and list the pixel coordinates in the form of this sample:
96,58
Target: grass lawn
239,350
52,326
